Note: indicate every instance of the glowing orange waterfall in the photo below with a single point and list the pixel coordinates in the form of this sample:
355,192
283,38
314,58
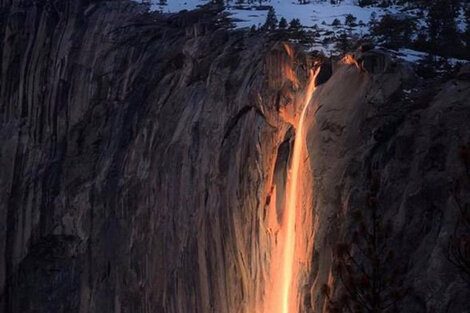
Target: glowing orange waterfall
282,293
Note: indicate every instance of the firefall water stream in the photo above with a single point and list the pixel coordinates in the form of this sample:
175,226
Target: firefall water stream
282,295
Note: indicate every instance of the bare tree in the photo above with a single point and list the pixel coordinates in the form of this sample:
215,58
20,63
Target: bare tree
458,251
372,279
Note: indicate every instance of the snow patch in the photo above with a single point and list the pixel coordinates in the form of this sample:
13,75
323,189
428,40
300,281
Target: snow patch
317,14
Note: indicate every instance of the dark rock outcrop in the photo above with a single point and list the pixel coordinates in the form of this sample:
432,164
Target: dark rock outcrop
464,73
374,61
367,46
326,70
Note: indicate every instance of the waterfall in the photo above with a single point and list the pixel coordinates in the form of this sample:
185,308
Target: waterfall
282,293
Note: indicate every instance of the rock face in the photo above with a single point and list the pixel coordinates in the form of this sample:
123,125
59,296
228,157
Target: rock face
365,124
134,160
464,73
139,155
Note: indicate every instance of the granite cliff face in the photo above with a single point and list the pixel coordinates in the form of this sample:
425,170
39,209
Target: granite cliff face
388,125
140,155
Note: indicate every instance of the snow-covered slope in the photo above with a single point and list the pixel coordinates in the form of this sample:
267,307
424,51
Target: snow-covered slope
171,6
320,13
316,12
326,18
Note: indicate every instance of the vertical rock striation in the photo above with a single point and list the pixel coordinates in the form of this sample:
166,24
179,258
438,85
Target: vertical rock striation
136,154
143,162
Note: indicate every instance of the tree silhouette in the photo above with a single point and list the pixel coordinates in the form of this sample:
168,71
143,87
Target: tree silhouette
442,26
395,32
344,43
295,24
350,20
283,23
271,20
458,252
467,29
371,278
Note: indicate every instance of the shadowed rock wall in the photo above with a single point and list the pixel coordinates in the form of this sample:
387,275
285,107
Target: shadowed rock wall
411,134
136,151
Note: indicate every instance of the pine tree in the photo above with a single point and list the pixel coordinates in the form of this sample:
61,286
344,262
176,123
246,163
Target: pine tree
295,30
442,26
373,20
394,32
283,23
295,24
344,42
271,20
350,20
466,36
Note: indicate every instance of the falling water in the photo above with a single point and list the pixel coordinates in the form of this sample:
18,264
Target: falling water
283,292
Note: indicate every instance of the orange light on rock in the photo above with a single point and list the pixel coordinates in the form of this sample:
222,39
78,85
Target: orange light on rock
281,296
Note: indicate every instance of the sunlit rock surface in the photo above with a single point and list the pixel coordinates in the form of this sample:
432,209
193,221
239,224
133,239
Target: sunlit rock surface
143,163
